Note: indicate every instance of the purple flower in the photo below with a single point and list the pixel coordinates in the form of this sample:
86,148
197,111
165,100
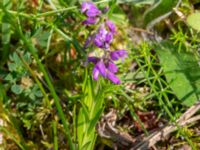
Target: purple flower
93,59
109,38
93,12
85,6
95,73
111,76
90,9
112,67
103,38
115,55
100,66
111,26
100,37
90,20
107,70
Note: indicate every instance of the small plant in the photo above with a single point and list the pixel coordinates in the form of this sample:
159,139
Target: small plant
102,58
99,74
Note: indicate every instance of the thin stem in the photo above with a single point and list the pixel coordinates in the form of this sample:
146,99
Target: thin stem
65,9
55,137
49,13
29,16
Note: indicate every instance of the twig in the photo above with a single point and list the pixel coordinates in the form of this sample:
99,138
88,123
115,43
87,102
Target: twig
158,135
142,30
190,112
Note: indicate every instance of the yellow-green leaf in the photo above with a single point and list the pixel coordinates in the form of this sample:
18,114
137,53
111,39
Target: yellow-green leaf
194,20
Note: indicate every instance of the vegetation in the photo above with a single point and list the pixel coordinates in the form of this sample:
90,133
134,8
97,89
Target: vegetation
104,74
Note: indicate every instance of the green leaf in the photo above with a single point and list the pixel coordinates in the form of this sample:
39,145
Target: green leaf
194,21
41,37
2,96
15,58
159,11
12,67
182,72
89,113
9,77
117,15
36,91
27,57
6,32
32,96
17,89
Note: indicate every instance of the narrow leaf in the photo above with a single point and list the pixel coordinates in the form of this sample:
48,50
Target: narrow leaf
159,11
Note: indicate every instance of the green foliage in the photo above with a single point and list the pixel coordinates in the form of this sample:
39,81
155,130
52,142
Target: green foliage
48,99
18,73
182,72
17,89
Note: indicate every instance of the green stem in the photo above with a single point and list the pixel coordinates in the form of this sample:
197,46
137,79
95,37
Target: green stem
65,9
55,137
49,13
29,16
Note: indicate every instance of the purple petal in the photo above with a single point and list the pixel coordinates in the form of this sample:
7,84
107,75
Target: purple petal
90,20
101,67
90,9
85,6
95,73
111,76
103,38
98,42
109,38
93,12
114,55
122,53
112,67
102,32
111,26
106,46
93,59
